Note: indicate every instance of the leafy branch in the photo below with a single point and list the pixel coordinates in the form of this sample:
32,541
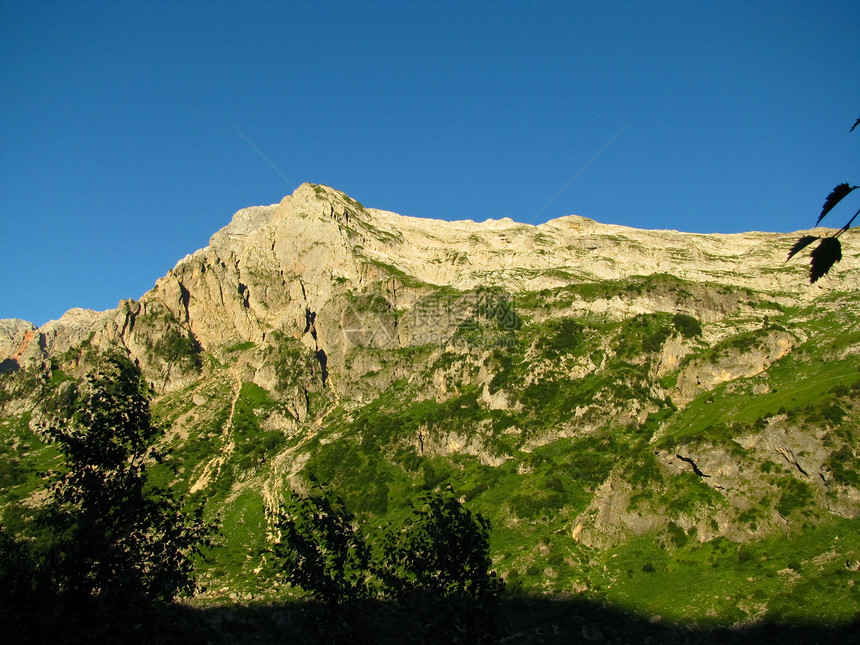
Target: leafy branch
829,250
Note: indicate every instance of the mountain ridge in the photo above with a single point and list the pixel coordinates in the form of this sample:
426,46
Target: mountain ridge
597,391
460,254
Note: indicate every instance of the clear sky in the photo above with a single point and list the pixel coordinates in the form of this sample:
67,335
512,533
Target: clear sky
130,132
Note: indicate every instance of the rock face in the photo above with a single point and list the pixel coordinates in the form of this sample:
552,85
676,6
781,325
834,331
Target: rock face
732,363
285,268
15,337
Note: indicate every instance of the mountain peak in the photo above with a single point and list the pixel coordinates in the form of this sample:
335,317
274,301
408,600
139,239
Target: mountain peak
275,267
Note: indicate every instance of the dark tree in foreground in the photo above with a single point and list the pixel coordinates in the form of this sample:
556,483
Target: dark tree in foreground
436,566
442,550
320,548
18,575
829,250
107,534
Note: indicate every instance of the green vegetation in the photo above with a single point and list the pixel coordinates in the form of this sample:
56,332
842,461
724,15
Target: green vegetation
802,578
24,459
242,346
106,540
796,495
174,346
654,284
173,343
436,563
253,444
320,548
566,430
561,337
788,394
687,326
439,551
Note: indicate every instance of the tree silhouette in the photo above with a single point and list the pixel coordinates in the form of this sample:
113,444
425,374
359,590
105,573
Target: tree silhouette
320,548
443,549
108,535
829,250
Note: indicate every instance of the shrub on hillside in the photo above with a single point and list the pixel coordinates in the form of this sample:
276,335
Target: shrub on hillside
687,326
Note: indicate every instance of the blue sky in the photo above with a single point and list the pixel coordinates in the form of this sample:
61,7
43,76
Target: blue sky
130,132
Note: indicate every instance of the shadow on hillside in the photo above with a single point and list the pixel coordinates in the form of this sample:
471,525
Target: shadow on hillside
515,621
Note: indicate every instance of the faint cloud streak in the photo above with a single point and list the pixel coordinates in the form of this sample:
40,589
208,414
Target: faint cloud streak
581,170
264,157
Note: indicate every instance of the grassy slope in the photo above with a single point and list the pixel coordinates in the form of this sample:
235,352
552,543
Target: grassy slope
370,457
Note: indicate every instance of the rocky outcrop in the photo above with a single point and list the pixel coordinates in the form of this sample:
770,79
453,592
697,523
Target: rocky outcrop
15,337
610,518
731,362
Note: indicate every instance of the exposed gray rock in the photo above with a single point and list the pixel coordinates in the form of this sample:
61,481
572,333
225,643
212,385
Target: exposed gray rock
733,363
15,336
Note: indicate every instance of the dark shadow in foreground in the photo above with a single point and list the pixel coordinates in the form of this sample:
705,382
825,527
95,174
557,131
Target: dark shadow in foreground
514,620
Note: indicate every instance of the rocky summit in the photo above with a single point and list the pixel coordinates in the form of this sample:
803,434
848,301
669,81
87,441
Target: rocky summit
661,420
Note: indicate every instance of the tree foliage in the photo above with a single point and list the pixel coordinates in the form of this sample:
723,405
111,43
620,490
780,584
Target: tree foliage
829,250
687,326
320,548
106,533
442,549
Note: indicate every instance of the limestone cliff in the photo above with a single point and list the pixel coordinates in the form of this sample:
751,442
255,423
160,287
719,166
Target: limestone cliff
291,267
